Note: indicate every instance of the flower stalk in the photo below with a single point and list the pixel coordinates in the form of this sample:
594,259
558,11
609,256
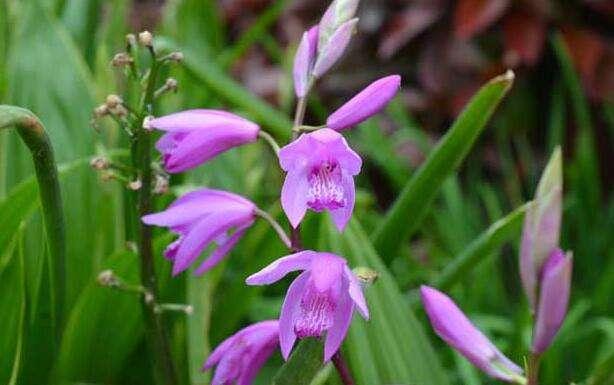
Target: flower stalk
141,161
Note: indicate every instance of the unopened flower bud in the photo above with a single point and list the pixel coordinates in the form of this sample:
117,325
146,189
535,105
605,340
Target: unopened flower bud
121,59
542,226
113,101
339,12
334,47
135,185
101,111
130,40
99,163
176,56
553,299
146,123
365,104
171,84
304,60
146,39
108,278
160,184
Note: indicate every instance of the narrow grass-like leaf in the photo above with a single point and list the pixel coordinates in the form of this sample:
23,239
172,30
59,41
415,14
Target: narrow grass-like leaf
13,310
499,232
413,203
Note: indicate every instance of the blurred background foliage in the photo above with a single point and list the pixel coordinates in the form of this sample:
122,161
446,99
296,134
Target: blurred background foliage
55,60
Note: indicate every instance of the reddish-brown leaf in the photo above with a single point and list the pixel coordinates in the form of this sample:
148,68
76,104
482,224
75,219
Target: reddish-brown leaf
409,23
524,35
473,16
586,50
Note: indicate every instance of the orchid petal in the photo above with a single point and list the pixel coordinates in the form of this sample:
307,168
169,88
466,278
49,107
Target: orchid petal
278,269
219,253
291,305
202,234
355,291
294,195
339,328
342,215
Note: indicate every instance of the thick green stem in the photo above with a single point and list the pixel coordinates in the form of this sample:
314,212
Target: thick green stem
154,323
34,136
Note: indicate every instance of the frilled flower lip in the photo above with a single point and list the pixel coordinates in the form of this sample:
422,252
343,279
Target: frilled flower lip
240,357
309,152
199,218
451,324
323,273
193,137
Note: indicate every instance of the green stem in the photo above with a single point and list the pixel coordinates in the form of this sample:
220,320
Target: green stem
33,134
155,331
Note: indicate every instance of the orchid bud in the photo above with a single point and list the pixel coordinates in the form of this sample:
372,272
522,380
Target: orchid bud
146,39
553,299
541,226
451,324
339,12
334,48
176,56
99,163
304,60
121,59
113,101
130,40
365,104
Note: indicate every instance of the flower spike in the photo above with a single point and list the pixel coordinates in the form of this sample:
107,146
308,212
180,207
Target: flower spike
320,301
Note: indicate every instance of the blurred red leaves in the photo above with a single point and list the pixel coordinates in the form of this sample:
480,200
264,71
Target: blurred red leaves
474,16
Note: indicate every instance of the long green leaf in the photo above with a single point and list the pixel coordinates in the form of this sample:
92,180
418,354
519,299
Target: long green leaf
413,203
498,233
35,137
13,310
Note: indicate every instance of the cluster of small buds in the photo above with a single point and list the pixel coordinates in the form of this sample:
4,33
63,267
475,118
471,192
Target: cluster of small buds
99,163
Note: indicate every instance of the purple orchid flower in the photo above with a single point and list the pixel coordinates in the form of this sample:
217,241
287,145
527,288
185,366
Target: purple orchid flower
199,218
321,300
457,331
365,104
320,168
240,357
304,61
553,299
195,136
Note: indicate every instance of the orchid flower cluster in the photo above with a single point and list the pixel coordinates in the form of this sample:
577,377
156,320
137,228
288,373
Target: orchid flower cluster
545,272
320,168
